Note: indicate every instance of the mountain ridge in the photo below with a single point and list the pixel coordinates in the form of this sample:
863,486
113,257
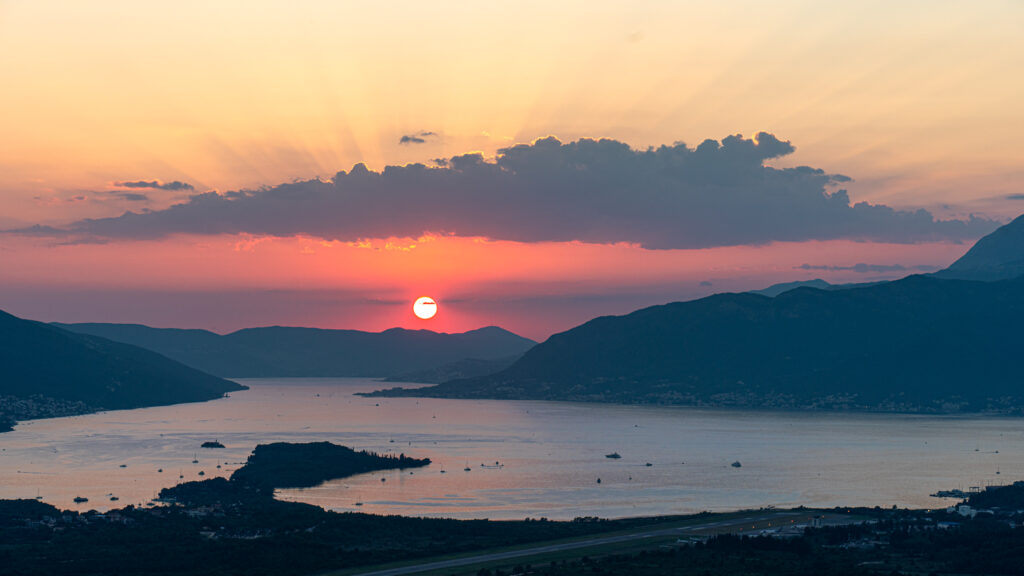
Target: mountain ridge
997,256
47,371
919,344
292,351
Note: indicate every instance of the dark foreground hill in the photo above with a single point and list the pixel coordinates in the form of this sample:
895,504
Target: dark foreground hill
917,344
299,352
46,371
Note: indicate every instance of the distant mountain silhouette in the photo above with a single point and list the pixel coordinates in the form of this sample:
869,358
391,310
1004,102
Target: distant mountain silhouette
916,344
297,352
54,367
776,289
998,256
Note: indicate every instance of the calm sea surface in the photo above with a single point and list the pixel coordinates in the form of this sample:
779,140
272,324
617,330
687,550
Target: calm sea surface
551,454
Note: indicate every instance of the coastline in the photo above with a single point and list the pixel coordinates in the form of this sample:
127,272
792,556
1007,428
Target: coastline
15,410
775,404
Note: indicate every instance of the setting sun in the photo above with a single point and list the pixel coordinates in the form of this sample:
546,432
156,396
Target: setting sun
424,308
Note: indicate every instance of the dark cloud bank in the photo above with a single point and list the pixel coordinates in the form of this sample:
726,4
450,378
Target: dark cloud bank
600,191
156,185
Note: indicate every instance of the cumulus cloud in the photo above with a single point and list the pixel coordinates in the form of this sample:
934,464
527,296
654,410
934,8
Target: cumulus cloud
417,138
597,191
156,185
863,268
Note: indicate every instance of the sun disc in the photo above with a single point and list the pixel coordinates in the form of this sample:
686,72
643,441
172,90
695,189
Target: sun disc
424,308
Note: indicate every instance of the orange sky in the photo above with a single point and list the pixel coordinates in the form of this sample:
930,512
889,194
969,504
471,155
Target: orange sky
918,102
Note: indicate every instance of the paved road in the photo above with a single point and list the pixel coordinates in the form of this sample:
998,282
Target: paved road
736,525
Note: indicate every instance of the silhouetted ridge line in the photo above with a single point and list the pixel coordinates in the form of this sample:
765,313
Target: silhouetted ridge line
46,371
281,351
998,256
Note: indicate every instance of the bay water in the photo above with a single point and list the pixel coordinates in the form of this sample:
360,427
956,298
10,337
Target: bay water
524,458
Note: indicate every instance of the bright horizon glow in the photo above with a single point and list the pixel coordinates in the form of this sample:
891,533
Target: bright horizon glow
534,290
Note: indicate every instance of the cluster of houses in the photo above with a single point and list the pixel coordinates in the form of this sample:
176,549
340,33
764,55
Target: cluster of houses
91,517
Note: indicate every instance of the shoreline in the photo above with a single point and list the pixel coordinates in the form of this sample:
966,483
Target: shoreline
8,422
401,392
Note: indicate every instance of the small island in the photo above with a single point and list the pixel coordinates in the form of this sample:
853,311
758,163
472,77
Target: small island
213,444
286,465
